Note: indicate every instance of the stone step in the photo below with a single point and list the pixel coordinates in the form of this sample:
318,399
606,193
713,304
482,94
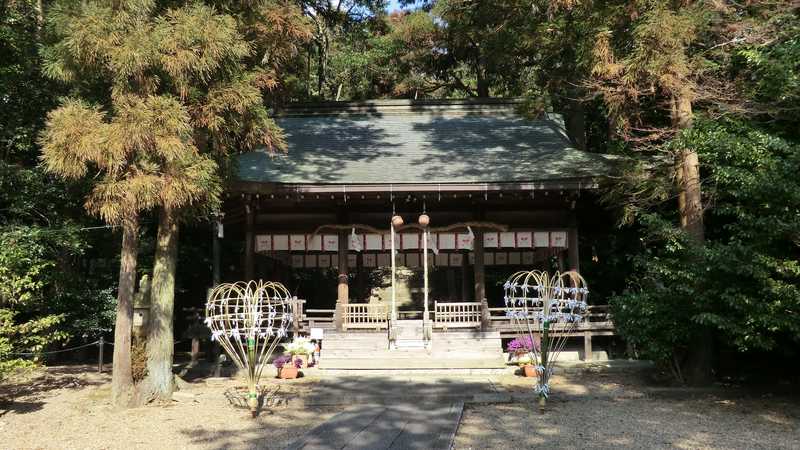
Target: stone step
411,363
410,352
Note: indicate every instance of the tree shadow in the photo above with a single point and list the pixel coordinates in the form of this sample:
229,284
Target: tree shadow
425,146
26,394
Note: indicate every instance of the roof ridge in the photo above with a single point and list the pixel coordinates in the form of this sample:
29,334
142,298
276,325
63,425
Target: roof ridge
403,106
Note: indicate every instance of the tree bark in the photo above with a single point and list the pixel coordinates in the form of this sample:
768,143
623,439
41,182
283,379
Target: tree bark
160,342
121,375
699,362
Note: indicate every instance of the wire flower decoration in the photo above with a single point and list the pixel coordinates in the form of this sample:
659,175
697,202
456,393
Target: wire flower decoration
249,319
545,309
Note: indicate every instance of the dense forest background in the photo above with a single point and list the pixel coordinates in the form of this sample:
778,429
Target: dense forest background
705,260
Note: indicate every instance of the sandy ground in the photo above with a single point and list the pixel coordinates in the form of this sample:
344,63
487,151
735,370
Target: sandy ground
612,411
67,408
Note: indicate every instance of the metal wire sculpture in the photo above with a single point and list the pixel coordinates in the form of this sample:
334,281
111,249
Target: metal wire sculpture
545,309
249,319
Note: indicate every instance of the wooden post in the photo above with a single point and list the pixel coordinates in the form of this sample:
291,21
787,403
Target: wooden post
249,244
343,289
480,279
195,350
101,345
572,246
216,251
587,347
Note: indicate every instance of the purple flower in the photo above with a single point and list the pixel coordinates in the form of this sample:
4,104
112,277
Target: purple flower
298,363
523,344
281,361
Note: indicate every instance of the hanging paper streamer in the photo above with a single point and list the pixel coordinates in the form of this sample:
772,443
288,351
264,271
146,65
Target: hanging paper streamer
356,243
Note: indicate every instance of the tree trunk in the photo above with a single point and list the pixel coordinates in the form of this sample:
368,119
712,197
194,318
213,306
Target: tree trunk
121,375
699,363
160,343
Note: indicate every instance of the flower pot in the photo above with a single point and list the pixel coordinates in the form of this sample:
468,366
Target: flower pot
288,372
529,370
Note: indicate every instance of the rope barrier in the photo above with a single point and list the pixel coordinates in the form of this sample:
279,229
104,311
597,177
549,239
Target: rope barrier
68,349
54,351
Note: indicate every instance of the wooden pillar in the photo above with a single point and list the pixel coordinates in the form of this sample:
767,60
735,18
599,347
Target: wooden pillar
480,279
572,246
465,294
249,242
343,289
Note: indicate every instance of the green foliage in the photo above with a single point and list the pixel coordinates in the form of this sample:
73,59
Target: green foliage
745,281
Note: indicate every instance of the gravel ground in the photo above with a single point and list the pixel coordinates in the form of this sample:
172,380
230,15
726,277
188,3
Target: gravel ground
67,408
612,415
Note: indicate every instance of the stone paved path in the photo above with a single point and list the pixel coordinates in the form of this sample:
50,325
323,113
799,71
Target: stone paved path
428,426
392,412
348,390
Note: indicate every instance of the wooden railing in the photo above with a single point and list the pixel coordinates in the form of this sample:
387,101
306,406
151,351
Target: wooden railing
597,319
456,315
366,315
299,318
319,318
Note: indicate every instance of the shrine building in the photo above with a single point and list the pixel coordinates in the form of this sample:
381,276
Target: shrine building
346,218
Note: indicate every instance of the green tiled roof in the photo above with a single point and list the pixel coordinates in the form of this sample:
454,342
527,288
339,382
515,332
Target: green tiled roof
399,142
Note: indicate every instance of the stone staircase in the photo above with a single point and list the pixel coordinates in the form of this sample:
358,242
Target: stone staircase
370,350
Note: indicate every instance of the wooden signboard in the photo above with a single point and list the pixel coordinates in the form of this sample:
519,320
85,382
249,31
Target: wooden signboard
527,258
280,242
501,258
558,239
456,259
297,242
490,239
465,241
373,242
297,261
442,260
324,261
524,239
508,239
330,243
384,260
263,243
410,241
370,260
314,243
311,261
447,241
541,239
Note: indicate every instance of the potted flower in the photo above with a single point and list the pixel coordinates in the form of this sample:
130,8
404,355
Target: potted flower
526,364
287,369
522,346
301,348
